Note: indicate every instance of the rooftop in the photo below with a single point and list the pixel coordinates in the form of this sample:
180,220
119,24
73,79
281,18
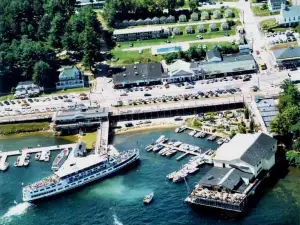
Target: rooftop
137,72
80,114
250,148
287,53
137,30
68,72
267,110
213,53
230,63
229,178
180,67
290,11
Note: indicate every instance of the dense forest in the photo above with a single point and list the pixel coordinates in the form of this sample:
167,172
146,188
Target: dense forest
32,32
287,122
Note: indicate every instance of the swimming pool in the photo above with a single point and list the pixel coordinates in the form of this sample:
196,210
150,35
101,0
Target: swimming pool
168,49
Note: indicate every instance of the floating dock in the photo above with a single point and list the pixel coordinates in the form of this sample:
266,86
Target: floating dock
23,153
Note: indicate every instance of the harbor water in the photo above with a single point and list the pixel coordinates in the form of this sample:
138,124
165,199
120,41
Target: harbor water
118,200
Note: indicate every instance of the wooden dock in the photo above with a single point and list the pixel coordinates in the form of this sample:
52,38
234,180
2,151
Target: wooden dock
181,150
26,151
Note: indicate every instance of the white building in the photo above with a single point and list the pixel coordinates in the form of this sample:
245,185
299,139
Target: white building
289,15
70,77
182,71
250,153
275,5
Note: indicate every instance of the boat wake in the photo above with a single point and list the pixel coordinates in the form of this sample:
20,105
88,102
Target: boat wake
116,220
16,210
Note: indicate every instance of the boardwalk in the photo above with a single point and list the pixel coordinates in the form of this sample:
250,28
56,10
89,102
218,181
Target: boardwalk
101,146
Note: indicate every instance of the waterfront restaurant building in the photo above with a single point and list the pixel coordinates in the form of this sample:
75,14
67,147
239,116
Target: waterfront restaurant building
239,166
79,118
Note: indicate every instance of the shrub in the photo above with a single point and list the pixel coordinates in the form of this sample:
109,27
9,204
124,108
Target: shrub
182,18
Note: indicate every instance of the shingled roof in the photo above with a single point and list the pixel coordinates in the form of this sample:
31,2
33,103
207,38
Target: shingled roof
287,53
250,148
260,149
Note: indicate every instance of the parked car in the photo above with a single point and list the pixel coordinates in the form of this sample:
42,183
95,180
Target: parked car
147,94
128,124
178,118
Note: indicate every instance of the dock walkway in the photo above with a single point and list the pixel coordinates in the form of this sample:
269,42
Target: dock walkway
101,146
26,151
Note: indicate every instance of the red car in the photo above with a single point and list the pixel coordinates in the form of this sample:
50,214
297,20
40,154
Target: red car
257,52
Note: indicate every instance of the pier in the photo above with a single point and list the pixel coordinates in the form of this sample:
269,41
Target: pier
101,146
23,153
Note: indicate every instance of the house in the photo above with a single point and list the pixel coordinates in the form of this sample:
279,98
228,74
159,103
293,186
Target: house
250,153
70,77
27,88
275,5
287,57
182,71
213,56
289,15
139,74
140,33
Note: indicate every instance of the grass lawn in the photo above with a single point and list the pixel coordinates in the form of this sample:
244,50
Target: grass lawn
9,129
89,139
70,90
210,45
262,12
129,57
267,24
6,97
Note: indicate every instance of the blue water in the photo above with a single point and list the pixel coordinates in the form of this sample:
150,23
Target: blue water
118,200
168,49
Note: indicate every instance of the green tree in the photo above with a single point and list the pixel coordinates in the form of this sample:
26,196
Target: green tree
193,4
246,113
251,125
56,30
232,134
42,74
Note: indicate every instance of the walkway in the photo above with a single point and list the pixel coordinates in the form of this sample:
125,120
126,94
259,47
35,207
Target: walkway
101,146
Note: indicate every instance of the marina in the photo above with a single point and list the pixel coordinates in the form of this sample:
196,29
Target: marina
24,155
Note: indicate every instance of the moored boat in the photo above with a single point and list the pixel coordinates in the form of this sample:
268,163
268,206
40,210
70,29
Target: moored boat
192,133
212,138
157,148
37,156
60,159
26,162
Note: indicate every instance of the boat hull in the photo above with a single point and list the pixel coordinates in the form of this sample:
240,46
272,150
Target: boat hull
89,181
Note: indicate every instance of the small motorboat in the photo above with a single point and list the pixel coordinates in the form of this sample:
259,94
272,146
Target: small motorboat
47,158
26,162
149,148
148,198
37,156
27,156
192,133
5,167
157,148
220,141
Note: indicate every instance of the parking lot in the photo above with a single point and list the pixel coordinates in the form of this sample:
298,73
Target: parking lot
43,104
280,37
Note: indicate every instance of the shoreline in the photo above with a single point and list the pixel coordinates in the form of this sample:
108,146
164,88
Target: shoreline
145,128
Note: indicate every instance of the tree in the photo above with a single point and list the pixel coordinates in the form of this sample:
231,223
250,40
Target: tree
246,113
56,30
232,134
193,4
42,74
251,125
89,46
